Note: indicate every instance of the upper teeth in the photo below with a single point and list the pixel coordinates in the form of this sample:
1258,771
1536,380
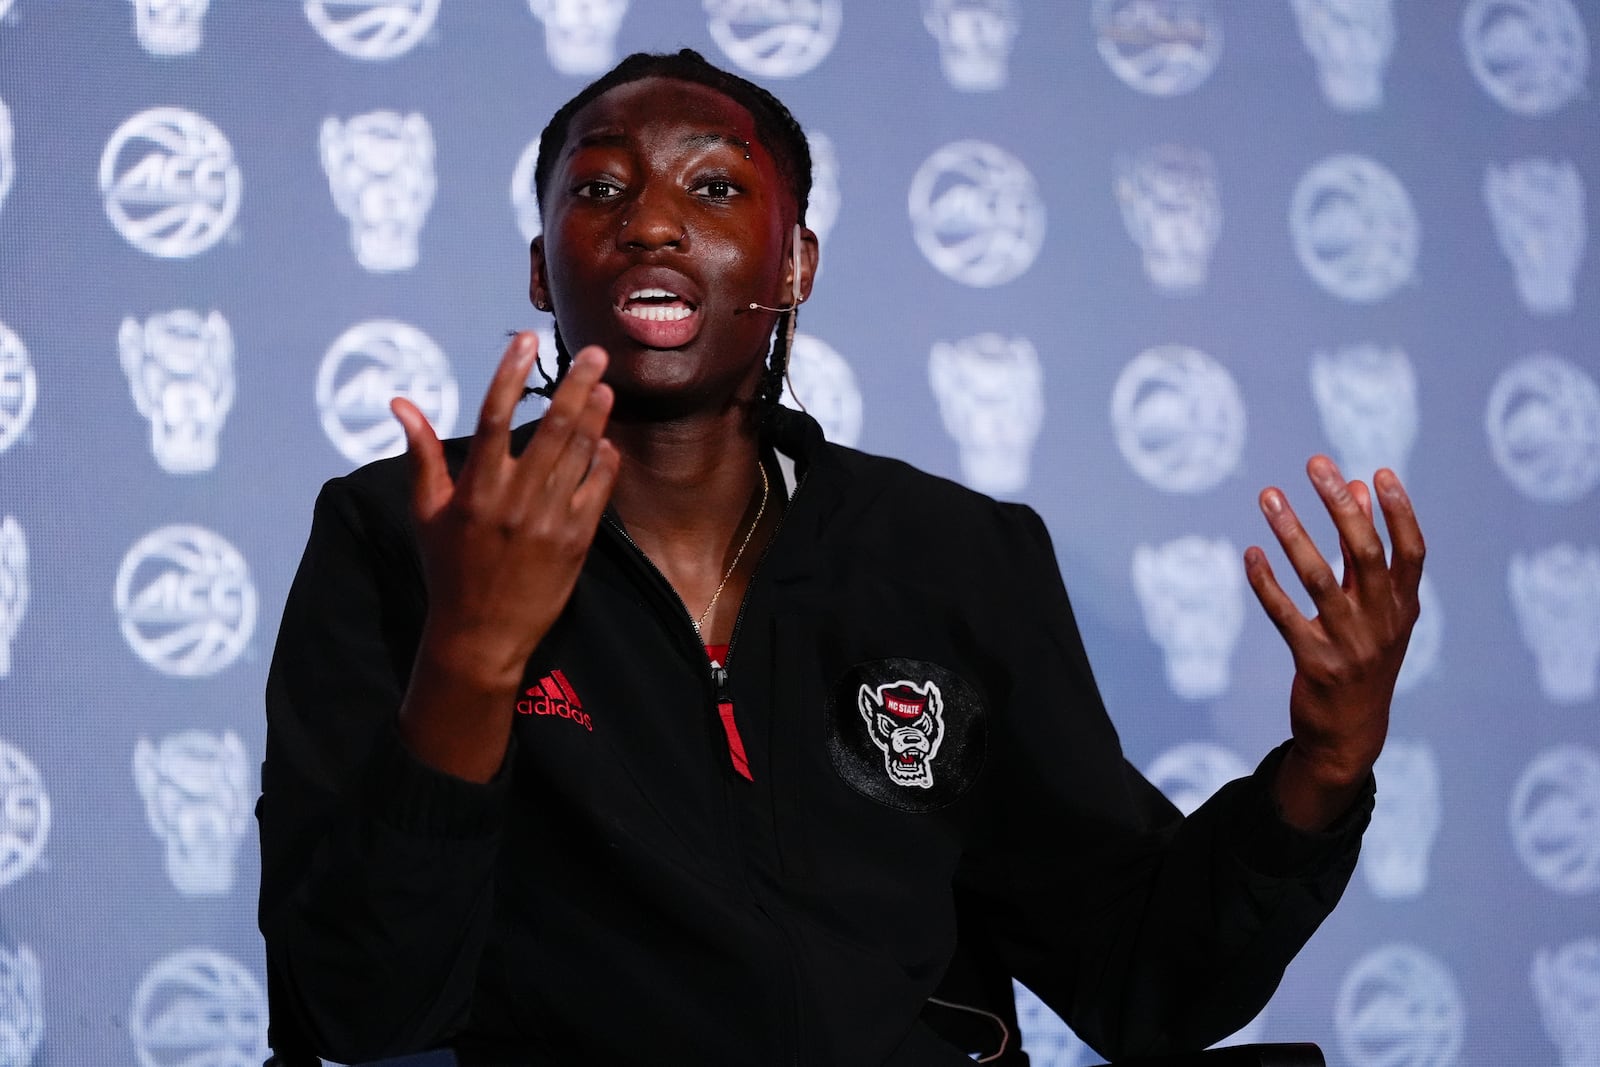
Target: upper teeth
649,294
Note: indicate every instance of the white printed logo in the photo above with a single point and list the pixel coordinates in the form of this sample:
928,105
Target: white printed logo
1191,591
24,814
1399,1007
1538,213
197,799
198,1008
1367,397
1354,229
1047,1040
524,194
1351,41
1405,820
990,391
1427,637
13,588
1530,55
1555,819
19,388
1188,774
775,38
380,170
1556,597
8,164
372,29
1178,418
180,371
169,27
370,364
823,209
1566,984
186,601
976,214
580,35
1544,428
21,998
1160,47
1173,212
906,721
975,38
821,384
170,182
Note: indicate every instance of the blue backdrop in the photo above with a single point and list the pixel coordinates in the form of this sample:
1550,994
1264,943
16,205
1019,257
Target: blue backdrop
1126,260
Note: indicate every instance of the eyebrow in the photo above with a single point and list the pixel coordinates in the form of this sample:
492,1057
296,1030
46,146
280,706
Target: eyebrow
613,139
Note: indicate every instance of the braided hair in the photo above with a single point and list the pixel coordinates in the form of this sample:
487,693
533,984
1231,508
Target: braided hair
777,128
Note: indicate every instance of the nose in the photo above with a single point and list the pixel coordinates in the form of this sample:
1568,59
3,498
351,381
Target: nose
652,222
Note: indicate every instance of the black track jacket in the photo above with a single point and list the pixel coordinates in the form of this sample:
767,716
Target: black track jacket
926,745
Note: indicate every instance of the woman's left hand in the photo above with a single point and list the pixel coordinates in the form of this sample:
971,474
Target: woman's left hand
1347,657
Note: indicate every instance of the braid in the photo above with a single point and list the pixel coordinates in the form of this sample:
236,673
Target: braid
777,369
563,364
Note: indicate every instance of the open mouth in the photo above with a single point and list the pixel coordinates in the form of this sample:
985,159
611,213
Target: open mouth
658,317
656,305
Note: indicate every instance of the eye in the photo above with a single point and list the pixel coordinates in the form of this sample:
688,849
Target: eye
596,189
715,189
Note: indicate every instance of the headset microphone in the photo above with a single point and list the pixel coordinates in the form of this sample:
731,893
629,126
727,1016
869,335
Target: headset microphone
794,276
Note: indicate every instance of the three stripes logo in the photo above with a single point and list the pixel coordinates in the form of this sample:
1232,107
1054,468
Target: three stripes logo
554,695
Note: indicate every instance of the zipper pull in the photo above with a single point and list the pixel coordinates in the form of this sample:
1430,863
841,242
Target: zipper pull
719,681
730,728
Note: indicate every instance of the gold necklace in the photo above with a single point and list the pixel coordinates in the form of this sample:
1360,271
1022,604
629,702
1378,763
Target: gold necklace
751,532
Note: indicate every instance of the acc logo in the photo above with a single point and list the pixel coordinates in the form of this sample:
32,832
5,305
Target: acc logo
1543,424
1555,819
1192,593
380,171
1351,44
1367,397
976,214
8,164
186,601
580,35
198,1008
907,733
19,388
822,209
21,998
1537,208
1530,55
180,371
975,38
372,29
170,183
775,38
169,27
1399,1007
368,365
990,390
1556,597
1178,419
24,814
821,384
1566,983
1189,773
1354,229
1160,47
197,799
13,589
524,197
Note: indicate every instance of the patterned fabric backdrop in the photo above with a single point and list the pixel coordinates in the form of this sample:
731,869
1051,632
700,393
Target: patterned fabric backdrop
1126,260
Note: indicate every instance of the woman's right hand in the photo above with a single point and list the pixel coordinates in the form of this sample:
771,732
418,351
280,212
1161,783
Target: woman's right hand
502,543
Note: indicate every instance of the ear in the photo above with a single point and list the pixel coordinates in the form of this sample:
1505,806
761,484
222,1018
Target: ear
809,253
538,281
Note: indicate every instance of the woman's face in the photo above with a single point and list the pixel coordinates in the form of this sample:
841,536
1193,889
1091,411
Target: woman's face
663,220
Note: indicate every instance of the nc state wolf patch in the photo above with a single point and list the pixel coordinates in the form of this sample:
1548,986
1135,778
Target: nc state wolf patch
907,733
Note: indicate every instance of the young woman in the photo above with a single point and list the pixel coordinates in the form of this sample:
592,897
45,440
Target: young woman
664,731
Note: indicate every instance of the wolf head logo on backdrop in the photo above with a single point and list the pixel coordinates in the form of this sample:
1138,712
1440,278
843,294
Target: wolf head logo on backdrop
198,1008
1399,1007
1189,773
1367,397
1178,419
822,384
975,38
1555,819
21,1007
1537,208
1405,821
580,35
169,27
1351,41
1566,983
1192,593
1172,210
180,371
990,390
906,721
775,38
1555,594
822,210
8,163
976,214
197,798
380,170
13,587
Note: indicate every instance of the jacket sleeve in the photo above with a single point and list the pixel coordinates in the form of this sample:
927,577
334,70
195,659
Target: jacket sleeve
1148,932
376,869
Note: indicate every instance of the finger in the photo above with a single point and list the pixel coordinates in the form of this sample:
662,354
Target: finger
1405,535
430,479
1358,537
491,440
572,464
589,502
562,417
1334,608
1295,627
1358,489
